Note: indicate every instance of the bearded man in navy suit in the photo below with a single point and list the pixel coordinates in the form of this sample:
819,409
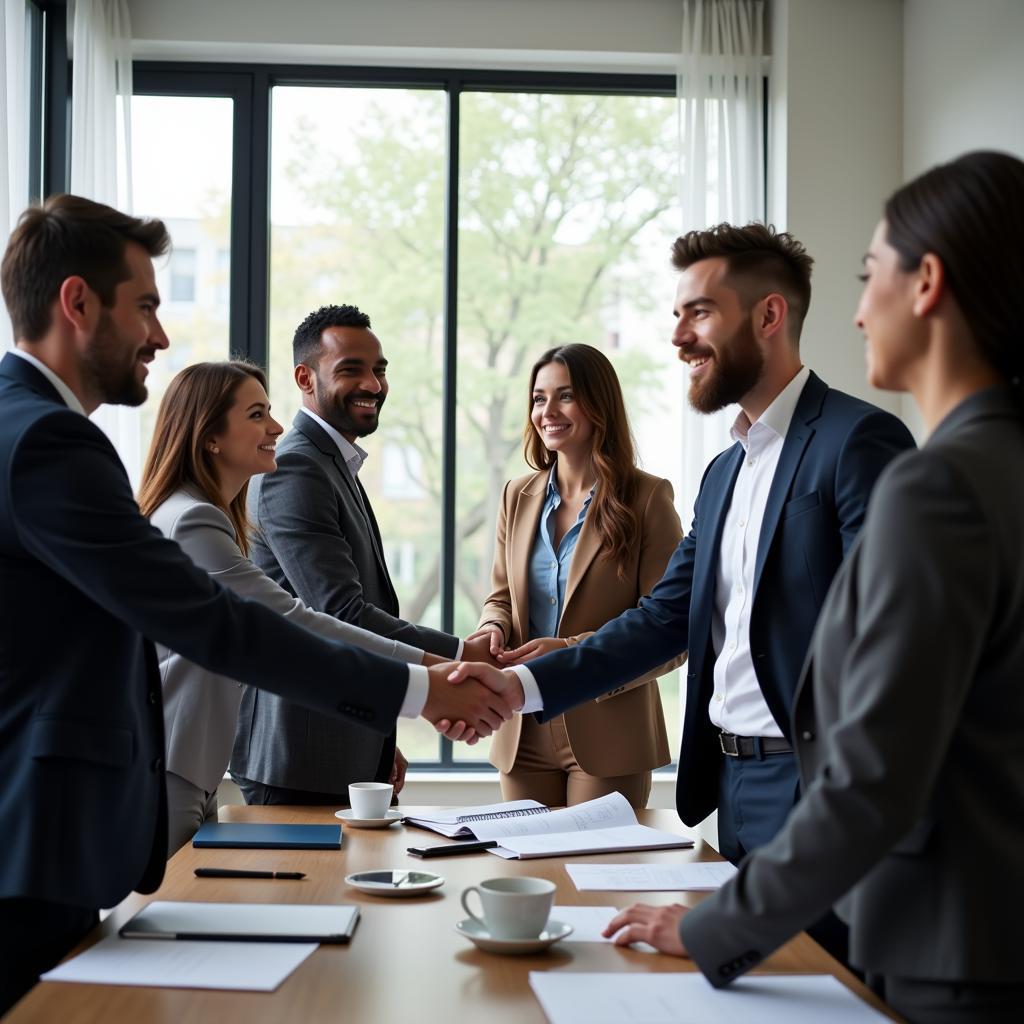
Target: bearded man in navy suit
775,516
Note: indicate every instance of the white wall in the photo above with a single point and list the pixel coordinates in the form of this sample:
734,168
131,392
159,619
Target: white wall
640,35
836,153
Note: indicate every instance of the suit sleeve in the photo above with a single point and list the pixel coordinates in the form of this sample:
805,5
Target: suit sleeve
206,536
926,557
631,645
498,606
294,513
77,516
869,447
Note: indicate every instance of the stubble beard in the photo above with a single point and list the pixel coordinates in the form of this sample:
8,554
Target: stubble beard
736,368
109,368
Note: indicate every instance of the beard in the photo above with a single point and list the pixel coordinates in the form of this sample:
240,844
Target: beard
735,368
335,409
109,366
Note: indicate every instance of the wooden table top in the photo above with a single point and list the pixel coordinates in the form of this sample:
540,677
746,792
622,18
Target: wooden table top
406,961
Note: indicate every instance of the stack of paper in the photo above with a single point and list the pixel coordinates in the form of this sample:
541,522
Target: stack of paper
524,828
698,876
571,998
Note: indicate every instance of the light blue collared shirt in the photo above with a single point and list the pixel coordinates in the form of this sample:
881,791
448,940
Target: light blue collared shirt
549,568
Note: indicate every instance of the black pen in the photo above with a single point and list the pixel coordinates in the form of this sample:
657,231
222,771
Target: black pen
237,873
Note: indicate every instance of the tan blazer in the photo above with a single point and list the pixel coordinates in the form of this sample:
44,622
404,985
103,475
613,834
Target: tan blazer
621,732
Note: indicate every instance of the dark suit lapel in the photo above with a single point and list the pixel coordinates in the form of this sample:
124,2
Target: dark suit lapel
23,372
316,434
715,499
798,437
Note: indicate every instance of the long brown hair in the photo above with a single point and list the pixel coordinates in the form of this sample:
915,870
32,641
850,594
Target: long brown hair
194,408
598,394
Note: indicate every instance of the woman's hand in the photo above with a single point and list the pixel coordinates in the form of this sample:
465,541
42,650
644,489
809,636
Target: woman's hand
488,638
532,649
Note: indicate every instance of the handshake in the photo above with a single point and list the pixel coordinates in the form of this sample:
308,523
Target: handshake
468,700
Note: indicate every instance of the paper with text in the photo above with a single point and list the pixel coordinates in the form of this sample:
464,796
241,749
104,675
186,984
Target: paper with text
603,840
251,966
697,876
686,998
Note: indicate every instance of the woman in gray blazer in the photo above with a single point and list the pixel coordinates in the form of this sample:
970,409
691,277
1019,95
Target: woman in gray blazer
213,432
909,719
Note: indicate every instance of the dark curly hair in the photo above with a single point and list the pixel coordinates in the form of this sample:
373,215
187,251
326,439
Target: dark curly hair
306,343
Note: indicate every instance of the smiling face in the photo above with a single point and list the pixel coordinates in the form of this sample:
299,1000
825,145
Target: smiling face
715,337
349,383
244,446
114,364
559,421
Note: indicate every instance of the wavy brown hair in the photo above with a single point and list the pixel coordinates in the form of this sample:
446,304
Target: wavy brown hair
194,408
597,391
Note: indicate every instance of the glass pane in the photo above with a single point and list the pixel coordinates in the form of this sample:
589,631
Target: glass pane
357,217
181,173
567,210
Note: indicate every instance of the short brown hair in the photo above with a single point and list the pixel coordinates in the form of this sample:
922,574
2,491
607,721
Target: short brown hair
68,236
759,258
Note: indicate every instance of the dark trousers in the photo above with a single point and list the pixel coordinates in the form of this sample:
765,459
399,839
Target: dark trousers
755,796
34,936
951,1002
263,795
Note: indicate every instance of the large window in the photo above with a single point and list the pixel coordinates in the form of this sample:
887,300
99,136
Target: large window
478,219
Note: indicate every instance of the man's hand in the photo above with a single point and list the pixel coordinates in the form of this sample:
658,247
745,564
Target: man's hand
398,769
504,683
484,645
492,636
532,649
657,926
478,710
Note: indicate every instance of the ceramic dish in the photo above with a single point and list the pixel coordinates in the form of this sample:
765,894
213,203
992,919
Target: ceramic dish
353,822
482,938
397,882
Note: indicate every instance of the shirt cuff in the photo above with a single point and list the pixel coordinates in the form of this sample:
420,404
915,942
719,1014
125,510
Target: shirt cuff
458,653
417,692
534,701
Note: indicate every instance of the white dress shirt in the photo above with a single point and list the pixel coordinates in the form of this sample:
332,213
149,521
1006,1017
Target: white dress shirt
737,704
419,680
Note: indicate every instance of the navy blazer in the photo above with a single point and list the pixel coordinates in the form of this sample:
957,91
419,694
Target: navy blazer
86,586
834,451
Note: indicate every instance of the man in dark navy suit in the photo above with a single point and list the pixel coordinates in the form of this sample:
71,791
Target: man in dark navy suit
87,586
775,515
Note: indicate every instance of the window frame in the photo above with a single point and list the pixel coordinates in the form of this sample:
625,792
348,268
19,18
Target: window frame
250,85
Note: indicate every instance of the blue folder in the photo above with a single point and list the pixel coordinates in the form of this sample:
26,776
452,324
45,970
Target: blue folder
269,837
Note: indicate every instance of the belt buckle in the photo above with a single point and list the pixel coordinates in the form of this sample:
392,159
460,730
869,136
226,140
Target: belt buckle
724,741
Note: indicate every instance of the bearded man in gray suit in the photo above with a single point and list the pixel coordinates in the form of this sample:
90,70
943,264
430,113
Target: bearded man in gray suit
318,538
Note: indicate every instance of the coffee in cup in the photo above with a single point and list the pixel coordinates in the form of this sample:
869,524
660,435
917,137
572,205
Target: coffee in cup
513,908
370,799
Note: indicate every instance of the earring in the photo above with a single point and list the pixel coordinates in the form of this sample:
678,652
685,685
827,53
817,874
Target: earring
214,449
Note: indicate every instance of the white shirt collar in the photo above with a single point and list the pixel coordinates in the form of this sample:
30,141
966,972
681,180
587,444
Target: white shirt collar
778,416
70,398
353,455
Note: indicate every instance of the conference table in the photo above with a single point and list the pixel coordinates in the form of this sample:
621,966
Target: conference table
405,962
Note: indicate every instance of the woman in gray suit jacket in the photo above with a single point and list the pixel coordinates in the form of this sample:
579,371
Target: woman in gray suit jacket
909,719
213,432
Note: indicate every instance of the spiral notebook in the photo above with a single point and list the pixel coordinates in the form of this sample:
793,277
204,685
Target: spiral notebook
525,828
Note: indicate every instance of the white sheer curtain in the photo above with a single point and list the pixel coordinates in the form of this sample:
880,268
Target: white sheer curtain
720,88
14,114
101,94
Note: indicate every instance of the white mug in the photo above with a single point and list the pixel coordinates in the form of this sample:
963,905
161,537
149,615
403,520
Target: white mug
370,799
513,908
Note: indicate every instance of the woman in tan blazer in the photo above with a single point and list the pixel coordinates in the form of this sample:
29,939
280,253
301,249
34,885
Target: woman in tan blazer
578,542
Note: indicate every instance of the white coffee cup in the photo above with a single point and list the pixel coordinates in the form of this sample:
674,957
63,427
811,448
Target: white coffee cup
370,799
513,908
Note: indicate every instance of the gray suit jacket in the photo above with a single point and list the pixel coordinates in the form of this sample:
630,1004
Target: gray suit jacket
909,725
318,539
201,707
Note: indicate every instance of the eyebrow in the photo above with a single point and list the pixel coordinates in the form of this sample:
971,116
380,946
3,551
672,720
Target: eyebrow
257,405
150,297
353,361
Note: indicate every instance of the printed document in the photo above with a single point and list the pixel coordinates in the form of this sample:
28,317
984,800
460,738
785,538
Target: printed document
697,876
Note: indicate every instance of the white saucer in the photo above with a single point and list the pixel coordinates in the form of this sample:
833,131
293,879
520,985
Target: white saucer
352,821
481,938
382,883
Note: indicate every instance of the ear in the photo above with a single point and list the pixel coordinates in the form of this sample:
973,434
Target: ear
770,314
304,378
77,304
929,284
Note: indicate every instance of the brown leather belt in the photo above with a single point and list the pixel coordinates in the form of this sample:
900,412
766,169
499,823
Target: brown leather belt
747,746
